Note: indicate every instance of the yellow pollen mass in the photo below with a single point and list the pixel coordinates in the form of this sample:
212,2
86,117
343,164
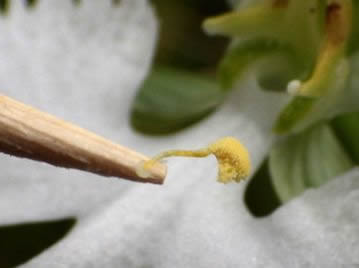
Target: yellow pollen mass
233,159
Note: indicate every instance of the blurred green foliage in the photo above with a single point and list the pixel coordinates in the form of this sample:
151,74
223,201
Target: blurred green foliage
346,127
182,42
181,89
21,242
4,6
307,159
170,100
260,196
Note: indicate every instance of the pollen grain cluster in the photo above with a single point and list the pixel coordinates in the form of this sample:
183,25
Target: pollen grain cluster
232,156
233,159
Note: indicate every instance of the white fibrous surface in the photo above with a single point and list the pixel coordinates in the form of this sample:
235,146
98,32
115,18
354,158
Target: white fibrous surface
84,64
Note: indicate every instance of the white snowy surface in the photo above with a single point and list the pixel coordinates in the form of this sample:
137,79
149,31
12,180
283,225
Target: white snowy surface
84,64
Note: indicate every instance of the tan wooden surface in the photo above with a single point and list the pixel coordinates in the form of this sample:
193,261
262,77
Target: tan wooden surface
28,132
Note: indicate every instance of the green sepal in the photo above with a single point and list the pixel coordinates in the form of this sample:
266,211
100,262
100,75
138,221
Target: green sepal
306,160
258,20
172,99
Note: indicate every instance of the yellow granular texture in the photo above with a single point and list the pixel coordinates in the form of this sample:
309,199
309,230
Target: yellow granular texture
233,159
232,156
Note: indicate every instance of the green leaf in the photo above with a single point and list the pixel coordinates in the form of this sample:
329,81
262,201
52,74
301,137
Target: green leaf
259,196
21,242
306,160
4,7
170,100
346,127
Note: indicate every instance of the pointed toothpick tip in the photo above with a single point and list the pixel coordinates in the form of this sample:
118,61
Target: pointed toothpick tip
30,133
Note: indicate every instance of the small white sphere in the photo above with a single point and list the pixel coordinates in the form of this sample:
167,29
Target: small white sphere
293,87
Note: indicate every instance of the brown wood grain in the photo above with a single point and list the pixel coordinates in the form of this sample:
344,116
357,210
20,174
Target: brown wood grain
30,133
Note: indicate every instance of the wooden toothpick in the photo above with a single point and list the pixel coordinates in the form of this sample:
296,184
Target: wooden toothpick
28,132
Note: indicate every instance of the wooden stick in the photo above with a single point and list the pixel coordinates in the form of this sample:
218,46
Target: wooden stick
28,132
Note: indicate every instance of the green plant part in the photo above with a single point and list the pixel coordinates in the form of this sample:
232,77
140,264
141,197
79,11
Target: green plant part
171,99
305,160
306,48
